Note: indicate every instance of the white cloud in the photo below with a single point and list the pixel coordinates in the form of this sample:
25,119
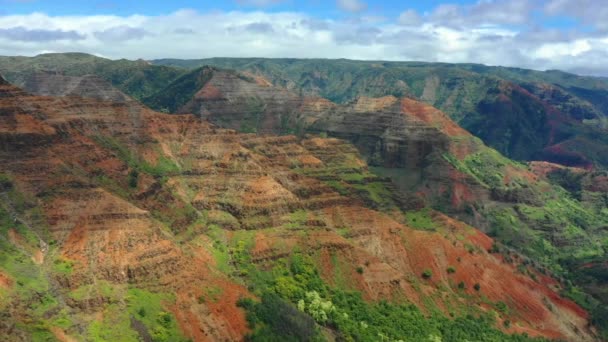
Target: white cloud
352,5
190,34
484,12
410,18
569,49
120,33
38,35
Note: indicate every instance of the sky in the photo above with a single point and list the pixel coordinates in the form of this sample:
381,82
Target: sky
570,35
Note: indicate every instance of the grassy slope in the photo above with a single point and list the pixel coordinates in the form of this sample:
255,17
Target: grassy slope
550,225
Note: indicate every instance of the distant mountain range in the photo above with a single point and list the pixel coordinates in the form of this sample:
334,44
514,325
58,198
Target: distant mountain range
524,114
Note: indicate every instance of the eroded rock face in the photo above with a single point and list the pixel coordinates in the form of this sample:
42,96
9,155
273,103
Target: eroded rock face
243,102
397,134
74,158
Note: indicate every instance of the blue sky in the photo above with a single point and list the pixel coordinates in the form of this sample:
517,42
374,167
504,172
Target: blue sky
542,34
127,7
390,9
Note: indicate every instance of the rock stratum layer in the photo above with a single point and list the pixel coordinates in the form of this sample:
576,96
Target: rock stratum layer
118,219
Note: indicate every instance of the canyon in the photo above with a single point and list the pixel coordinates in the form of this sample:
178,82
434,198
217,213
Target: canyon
116,215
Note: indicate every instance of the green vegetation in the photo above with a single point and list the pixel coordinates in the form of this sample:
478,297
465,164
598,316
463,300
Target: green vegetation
420,219
502,307
549,223
101,288
30,285
172,96
144,316
63,266
274,319
348,178
148,308
5,182
163,167
297,311
133,178
114,326
569,180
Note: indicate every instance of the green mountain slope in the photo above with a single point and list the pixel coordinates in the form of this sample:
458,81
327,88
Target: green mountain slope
135,78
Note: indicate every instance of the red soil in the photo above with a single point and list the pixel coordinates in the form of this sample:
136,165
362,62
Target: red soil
316,104
214,318
5,281
61,335
543,168
209,92
432,116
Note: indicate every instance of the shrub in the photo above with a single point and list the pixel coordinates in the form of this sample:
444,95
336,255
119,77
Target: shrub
451,270
502,307
462,285
360,270
427,274
5,182
477,287
133,178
